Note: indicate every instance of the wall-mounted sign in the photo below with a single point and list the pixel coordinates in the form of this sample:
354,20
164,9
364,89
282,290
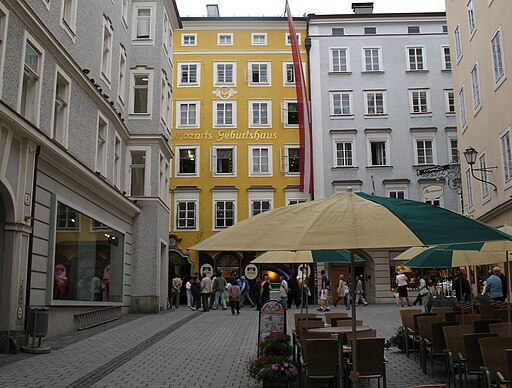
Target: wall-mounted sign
27,199
433,191
304,270
19,313
223,135
206,269
251,271
224,92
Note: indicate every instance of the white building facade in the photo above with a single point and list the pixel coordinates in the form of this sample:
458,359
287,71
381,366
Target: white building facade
85,119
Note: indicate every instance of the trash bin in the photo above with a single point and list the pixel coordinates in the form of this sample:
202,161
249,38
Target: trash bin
37,323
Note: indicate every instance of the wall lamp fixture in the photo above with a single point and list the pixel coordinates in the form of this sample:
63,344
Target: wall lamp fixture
470,154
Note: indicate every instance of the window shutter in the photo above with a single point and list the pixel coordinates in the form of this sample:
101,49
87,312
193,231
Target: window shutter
282,153
284,112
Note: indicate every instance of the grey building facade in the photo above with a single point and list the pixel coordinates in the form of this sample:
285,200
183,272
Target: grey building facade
382,108
85,119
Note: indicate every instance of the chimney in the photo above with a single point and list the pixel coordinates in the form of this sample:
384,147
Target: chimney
362,7
212,10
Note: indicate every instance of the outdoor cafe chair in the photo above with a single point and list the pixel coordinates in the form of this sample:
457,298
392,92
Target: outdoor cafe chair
335,320
425,335
371,362
472,356
369,333
302,326
319,360
455,349
441,311
438,346
348,322
495,360
330,316
503,329
415,335
407,316
482,326
500,314
468,319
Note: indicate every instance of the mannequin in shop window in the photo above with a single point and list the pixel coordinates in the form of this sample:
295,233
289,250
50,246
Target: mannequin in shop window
62,287
96,288
107,283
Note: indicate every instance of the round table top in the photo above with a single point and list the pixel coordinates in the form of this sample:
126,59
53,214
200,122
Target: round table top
337,329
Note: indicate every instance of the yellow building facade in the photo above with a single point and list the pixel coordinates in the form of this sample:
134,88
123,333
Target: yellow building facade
235,132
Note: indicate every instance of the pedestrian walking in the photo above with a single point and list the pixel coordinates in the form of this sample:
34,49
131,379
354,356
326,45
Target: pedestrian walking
340,290
266,287
206,292
293,292
283,291
234,297
257,290
175,291
360,292
195,290
188,289
493,285
220,286
423,293
401,282
246,290
325,286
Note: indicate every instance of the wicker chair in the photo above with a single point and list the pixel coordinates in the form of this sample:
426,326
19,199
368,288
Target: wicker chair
407,316
319,359
438,346
441,311
472,355
415,335
502,329
330,316
482,326
495,360
348,322
335,320
468,318
425,332
300,333
369,333
455,348
371,362
298,317
500,314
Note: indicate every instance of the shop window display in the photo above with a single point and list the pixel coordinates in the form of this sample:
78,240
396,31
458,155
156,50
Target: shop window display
88,258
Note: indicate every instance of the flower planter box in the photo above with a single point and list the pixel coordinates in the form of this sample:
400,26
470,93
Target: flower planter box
274,384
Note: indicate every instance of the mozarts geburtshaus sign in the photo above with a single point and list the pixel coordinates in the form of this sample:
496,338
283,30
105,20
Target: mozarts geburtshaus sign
223,135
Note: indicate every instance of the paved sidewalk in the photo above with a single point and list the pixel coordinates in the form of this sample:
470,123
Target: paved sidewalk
180,348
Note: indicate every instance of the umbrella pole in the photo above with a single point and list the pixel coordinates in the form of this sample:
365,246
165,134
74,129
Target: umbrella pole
354,376
461,296
508,290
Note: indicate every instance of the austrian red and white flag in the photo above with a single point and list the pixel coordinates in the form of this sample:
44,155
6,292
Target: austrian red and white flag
306,175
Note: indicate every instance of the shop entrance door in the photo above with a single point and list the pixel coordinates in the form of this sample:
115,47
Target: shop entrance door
180,265
229,265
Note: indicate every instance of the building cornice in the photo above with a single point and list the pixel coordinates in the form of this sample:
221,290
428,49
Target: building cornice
496,211
157,139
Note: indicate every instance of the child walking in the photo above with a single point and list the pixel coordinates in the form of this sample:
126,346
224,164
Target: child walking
234,297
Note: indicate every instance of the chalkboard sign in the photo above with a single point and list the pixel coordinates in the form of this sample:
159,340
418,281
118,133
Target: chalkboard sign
272,319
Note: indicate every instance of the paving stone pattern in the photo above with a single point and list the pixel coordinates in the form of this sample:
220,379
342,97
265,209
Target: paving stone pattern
182,348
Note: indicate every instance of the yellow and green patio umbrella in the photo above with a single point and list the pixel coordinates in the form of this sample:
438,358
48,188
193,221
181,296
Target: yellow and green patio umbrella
306,257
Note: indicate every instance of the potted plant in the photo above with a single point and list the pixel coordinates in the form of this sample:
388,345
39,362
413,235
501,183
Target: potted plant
276,344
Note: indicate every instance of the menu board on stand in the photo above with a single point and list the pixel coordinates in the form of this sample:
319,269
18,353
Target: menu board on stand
272,319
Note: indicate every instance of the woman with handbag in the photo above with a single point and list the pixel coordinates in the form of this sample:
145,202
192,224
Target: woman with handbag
340,290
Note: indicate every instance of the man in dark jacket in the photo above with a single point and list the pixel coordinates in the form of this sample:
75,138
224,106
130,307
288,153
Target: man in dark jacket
293,294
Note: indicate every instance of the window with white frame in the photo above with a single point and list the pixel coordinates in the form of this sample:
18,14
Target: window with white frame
372,59
188,160
141,91
338,31
291,160
375,102
32,72
506,151
101,144
370,30
415,58
498,58
186,209
67,218
189,39
224,209
225,73
449,101
484,176
260,202
188,74
419,99
68,17
344,153
288,73
471,16
187,114
475,86
453,149
378,148
139,173
61,107
341,103
117,161
225,39
292,200
165,101
106,51
396,192
290,113
167,41
433,202
339,60
143,24
259,39
288,40
260,113
259,73
224,114
462,106
224,160
260,160
163,178
4,16
447,60
424,151
413,29
469,189
121,84
124,13
458,42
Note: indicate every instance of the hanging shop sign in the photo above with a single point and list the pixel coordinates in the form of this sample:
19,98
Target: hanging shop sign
251,271
433,191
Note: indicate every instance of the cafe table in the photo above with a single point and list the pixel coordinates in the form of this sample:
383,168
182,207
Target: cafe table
340,330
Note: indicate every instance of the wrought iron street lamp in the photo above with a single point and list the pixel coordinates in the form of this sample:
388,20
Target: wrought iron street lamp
470,154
